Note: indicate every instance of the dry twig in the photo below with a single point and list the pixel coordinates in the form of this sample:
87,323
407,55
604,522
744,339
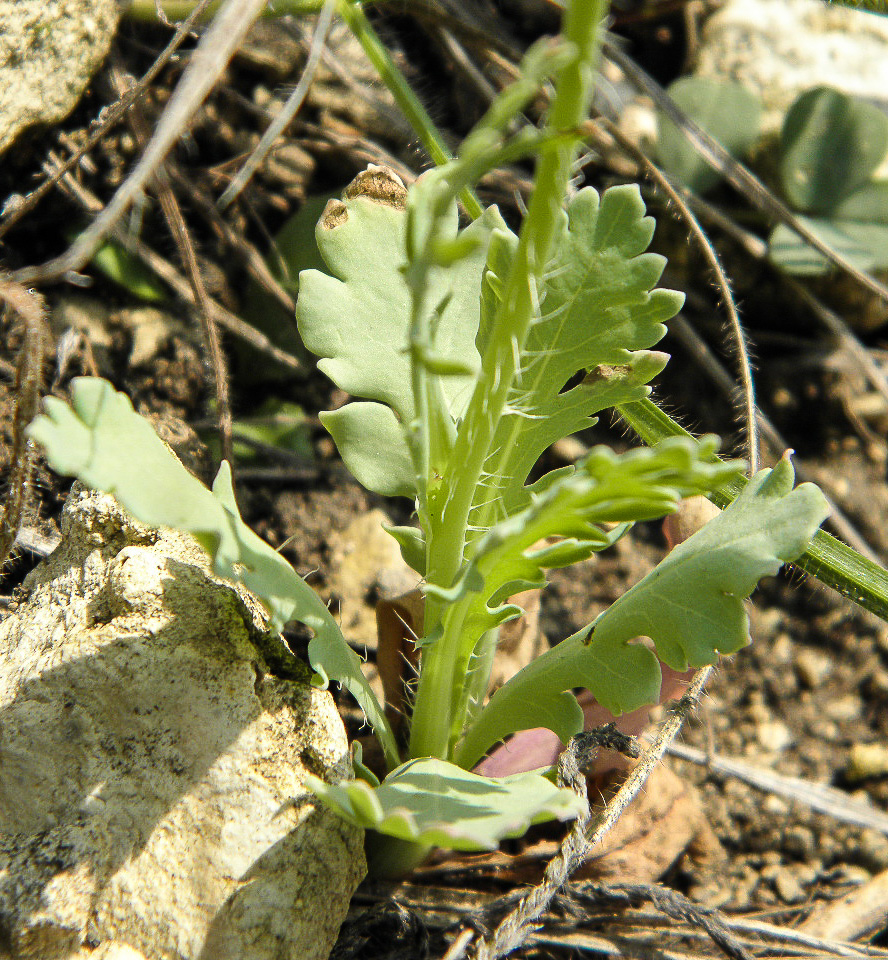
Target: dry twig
28,383
209,59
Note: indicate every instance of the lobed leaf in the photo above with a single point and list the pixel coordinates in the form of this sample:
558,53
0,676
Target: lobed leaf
435,803
358,322
566,524
103,442
691,606
599,314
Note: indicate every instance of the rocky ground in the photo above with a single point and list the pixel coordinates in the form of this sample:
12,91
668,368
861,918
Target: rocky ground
804,708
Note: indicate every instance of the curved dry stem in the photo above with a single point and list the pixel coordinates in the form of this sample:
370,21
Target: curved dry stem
587,831
216,48
107,118
287,112
733,171
29,307
721,279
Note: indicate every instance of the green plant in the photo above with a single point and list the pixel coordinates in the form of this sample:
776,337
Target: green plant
471,351
728,111
830,147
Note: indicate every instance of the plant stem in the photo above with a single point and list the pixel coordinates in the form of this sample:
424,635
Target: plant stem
829,560
377,53
435,724
180,9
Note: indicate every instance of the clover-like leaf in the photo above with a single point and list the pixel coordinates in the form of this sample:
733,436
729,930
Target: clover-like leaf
863,243
435,803
599,313
728,111
831,145
691,606
103,442
358,322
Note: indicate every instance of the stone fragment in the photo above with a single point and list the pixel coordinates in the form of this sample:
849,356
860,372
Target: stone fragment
151,767
49,51
867,760
780,48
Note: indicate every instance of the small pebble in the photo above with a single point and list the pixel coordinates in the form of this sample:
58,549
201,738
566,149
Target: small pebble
782,648
773,735
788,887
844,709
799,842
874,850
776,806
867,760
812,667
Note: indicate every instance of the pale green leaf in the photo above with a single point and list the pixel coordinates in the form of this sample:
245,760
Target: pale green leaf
691,606
437,804
103,442
606,488
599,314
868,204
371,442
129,272
832,144
413,546
728,111
358,321
865,244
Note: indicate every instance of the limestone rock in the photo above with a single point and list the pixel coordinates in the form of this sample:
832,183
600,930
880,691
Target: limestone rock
151,798
779,48
49,51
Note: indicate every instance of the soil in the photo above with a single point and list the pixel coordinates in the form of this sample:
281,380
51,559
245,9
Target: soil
814,683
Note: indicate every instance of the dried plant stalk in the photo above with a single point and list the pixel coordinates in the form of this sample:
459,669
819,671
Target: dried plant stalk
29,307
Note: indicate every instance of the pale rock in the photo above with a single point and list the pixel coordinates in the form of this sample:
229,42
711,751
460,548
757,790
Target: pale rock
49,52
844,709
788,887
150,329
813,667
773,735
151,768
366,564
780,48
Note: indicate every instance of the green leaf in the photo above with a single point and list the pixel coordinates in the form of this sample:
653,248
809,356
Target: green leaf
277,423
691,606
413,546
606,488
863,244
728,111
358,321
103,442
831,145
433,802
868,204
372,445
128,271
293,249
599,313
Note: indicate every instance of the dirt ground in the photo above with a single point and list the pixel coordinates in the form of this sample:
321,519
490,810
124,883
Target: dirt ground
800,702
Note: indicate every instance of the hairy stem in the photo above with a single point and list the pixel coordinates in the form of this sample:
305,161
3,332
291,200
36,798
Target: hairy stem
435,727
829,560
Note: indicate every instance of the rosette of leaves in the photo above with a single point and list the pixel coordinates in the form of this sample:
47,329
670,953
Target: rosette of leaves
453,405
